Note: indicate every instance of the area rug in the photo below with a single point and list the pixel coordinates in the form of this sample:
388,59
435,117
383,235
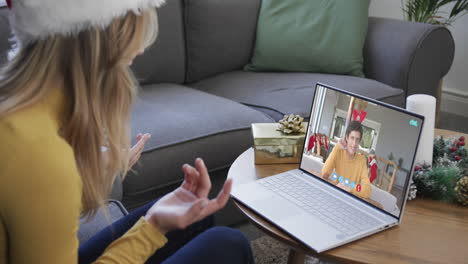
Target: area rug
267,250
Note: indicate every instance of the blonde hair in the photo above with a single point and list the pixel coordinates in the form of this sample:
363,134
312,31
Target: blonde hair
92,70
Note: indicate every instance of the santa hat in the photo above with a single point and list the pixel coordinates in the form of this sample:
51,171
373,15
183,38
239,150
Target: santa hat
38,19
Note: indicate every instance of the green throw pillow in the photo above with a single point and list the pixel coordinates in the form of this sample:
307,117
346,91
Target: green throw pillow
322,36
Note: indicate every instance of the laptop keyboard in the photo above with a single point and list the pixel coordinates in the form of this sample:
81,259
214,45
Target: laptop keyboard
341,216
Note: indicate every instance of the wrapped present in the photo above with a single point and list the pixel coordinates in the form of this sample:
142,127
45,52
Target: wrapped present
273,146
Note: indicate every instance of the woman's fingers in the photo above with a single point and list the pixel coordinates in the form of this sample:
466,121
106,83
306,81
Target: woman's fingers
138,147
181,208
204,182
143,139
197,180
188,178
224,194
220,201
134,160
191,178
135,151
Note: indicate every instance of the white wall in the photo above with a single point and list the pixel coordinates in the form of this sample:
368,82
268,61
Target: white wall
455,83
386,8
2,3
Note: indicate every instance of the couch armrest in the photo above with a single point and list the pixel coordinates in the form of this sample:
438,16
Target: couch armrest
407,55
117,189
104,217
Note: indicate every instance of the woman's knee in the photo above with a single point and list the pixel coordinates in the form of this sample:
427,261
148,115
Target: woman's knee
215,245
225,237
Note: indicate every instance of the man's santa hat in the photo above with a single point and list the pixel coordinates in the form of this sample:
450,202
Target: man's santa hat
32,20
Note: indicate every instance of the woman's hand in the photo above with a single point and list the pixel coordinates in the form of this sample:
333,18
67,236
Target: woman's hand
189,203
135,151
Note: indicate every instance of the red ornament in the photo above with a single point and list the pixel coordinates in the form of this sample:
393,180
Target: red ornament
457,158
453,149
462,138
416,168
456,142
8,2
462,143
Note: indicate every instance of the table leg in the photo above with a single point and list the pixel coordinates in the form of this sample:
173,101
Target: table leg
296,257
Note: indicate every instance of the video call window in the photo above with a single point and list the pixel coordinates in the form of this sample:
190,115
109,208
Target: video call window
361,147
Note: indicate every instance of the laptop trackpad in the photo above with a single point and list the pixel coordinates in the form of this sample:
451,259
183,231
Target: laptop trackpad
275,208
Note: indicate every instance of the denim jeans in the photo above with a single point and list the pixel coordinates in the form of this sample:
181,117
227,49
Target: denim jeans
199,243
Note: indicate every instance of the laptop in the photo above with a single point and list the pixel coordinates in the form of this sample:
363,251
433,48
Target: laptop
342,191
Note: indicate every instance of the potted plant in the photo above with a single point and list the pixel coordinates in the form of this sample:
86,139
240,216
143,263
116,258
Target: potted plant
428,11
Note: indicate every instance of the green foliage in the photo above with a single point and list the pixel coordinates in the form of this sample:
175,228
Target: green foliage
438,183
439,148
427,11
450,164
450,152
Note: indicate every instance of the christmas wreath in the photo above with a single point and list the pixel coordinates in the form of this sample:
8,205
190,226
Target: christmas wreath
447,178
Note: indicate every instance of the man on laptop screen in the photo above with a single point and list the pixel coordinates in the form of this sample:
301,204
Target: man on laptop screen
344,160
361,147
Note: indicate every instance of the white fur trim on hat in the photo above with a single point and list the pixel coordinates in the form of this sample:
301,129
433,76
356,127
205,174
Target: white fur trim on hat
37,19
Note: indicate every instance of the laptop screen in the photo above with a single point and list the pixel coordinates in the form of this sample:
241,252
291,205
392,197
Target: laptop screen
362,146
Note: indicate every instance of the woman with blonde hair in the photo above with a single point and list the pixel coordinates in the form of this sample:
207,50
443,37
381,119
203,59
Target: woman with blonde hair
65,93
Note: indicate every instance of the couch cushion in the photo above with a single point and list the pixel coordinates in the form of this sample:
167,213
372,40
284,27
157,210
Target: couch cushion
185,123
220,35
286,93
311,36
164,61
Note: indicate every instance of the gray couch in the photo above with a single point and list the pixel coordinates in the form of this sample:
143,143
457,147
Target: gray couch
196,101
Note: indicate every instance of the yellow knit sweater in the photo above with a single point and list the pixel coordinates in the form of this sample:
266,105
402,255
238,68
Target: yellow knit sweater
40,194
353,170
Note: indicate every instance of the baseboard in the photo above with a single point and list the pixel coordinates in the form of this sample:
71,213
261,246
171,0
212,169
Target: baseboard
454,101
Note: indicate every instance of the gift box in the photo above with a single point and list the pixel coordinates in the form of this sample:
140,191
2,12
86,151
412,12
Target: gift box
273,146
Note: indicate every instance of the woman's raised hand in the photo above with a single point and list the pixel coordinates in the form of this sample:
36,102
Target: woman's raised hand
135,151
189,203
